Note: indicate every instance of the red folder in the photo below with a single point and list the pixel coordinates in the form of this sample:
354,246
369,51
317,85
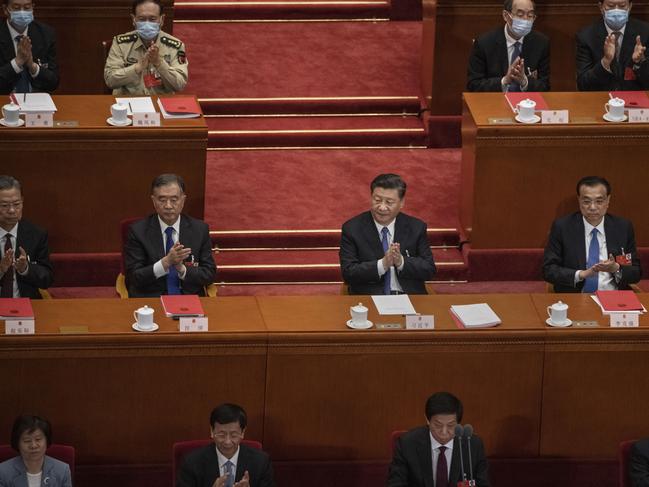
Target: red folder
619,301
179,305
632,99
11,308
181,105
515,97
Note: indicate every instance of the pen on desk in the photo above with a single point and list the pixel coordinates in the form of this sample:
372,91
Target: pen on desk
24,97
407,253
130,108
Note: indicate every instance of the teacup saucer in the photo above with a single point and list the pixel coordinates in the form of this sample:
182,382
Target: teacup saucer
145,330
368,324
565,324
114,123
534,119
608,118
20,123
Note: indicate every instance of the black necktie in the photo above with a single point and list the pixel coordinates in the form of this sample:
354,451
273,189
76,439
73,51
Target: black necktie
441,476
7,281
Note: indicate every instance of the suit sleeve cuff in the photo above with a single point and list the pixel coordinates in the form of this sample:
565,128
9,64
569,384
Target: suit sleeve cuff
159,270
577,279
17,68
379,267
38,70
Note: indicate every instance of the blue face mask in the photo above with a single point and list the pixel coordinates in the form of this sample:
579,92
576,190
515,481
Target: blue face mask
521,27
20,19
616,18
148,30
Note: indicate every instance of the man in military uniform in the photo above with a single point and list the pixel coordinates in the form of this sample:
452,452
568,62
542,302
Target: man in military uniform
146,61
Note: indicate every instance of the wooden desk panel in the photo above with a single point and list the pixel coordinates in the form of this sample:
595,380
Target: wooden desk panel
80,182
517,179
368,383
595,382
120,396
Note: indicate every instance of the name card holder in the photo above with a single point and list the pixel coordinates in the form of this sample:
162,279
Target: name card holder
638,115
625,320
555,116
420,322
20,327
146,119
192,324
39,119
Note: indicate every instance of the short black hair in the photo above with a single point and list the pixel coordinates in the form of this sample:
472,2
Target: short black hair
28,423
591,181
389,181
136,3
228,413
444,403
10,182
165,179
509,5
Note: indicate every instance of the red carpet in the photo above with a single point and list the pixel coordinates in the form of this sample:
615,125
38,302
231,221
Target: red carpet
302,59
317,189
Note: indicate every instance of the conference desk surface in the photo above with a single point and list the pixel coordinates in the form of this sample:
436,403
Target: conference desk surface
83,176
517,178
530,390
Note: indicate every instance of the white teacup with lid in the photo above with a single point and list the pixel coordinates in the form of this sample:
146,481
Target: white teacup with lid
558,314
144,318
525,110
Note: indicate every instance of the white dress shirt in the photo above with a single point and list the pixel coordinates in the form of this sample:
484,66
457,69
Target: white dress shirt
510,51
605,280
223,460
12,235
620,39
435,452
13,33
394,282
158,268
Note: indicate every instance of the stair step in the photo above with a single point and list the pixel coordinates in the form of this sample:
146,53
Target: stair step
391,131
303,238
201,11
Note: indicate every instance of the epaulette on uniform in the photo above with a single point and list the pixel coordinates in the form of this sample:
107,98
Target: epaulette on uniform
171,42
124,38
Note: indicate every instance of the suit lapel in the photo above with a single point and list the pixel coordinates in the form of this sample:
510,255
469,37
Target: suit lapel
371,236
401,230
154,235
578,236
425,454
6,42
242,463
612,244
501,47
628,44
456,468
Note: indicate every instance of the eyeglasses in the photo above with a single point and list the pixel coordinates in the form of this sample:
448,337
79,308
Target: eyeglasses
16,8
222,436
16,205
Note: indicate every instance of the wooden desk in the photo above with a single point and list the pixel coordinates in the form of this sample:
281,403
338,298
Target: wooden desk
516,179
317,391
80,182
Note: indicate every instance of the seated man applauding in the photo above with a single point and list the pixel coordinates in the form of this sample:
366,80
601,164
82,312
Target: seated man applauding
168,252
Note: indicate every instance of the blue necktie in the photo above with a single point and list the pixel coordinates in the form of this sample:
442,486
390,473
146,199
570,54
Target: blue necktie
590,284
173,282
388,272
228,470
23,85
514,86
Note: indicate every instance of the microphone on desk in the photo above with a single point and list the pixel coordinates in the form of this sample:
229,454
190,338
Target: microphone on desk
459,433
468,433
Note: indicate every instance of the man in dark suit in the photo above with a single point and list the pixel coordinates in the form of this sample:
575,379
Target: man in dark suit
168,252
227,462
383,251
25,265
513,58
591,250
639,464
27,51
429,456
611,51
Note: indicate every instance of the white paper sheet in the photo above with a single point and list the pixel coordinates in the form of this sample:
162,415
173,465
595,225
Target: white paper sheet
476,315
394,305
138,104
34,102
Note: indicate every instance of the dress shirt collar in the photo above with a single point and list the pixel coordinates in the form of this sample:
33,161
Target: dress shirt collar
436,444
13,232
390,226
511,41
164,226
588,228
222,460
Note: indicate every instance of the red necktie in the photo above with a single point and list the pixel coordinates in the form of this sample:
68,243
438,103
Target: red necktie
7,281
441,476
